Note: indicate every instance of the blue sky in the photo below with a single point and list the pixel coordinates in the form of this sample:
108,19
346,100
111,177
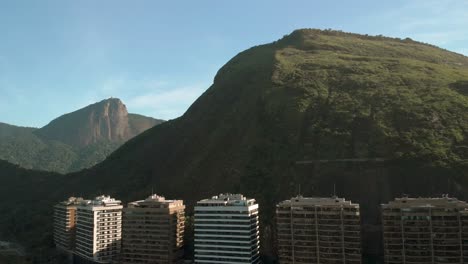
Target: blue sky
159,56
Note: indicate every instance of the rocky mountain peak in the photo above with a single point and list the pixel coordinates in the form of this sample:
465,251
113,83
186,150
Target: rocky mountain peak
107,120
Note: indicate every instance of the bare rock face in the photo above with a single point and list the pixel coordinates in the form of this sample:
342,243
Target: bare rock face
107,120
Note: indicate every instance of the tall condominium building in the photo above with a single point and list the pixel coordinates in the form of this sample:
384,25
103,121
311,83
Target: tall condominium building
99,229
318,230
153,231
425,230
65,223
227,230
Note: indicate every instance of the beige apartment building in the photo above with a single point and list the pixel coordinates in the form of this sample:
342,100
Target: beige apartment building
318,230
425,230
65,224
98,230
153,231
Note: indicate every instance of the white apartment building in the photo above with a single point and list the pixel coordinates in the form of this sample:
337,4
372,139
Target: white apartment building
99,229
227,230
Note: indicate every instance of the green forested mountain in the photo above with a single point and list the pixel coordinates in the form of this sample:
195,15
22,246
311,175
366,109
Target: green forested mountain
376,117
73,141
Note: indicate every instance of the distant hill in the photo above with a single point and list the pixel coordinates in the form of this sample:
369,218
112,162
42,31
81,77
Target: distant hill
73,141
7,130
374,116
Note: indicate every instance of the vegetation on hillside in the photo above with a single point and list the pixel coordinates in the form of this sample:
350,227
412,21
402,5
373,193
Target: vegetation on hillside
362,97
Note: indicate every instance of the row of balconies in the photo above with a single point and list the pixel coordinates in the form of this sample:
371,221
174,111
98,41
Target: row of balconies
109,219
353,239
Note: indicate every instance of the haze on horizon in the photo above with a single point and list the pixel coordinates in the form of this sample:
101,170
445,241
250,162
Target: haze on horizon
57,56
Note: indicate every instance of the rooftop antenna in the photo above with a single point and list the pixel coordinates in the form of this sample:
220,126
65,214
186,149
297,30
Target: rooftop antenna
299,194
152,190
448,186
334,189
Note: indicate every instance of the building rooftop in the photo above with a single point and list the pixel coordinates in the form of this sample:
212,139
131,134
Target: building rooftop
317,201
72,201
443,202
227,199
102,200
155,200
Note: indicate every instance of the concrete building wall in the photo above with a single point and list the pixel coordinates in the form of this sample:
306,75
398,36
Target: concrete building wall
99,229
153,231
65,224
425,230
318,230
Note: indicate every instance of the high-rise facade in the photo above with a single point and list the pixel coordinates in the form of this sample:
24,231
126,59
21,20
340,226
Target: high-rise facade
227,230
425,230
153,231
99,229
65,224
318,230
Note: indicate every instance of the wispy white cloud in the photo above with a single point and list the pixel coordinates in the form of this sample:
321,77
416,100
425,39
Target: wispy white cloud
153,84
153,97
113,85
442,23
11,94
168,104
441,37
175,96
463,51
13,97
